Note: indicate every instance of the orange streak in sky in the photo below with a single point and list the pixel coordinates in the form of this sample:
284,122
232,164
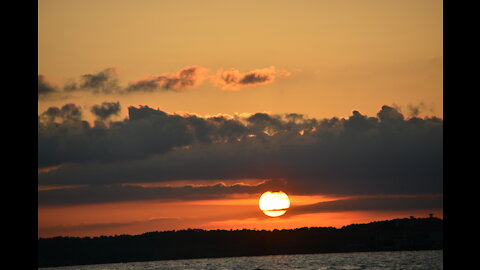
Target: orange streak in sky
142,216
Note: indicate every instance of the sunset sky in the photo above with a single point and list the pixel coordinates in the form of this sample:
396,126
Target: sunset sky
167,115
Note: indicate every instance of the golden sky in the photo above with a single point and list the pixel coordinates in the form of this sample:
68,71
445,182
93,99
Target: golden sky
318,58
343,55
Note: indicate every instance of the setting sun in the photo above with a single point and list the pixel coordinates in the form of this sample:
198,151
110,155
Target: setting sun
163,127
274,203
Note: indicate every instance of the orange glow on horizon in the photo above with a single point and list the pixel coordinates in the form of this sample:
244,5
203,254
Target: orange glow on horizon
328,219
138,217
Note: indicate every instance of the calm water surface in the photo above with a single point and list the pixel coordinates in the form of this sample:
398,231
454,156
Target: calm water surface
361,260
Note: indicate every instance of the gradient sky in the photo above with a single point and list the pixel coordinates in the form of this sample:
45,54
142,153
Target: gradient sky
283,78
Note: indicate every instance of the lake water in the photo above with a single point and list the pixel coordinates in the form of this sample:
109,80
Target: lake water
408,260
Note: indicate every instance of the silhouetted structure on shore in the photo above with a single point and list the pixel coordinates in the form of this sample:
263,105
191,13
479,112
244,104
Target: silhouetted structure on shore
397,234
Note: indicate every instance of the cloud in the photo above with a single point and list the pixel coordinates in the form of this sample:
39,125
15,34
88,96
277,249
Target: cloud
106,110
115,193
416,110
67,113
142,135
371,204
44,88
385,154
145,133
233,79
187,77
103,82
389,114
106,81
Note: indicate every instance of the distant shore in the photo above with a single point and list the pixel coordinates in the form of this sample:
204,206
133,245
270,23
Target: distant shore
390,235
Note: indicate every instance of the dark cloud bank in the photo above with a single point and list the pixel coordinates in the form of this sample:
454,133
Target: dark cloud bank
385,154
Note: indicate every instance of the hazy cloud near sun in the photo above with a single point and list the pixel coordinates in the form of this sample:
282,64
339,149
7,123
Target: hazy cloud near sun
371,204
385,154
117,192
106,81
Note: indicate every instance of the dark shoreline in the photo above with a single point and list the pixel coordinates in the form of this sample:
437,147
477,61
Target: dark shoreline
393,235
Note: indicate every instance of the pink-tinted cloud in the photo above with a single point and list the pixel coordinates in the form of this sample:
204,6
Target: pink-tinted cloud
106,82
233,79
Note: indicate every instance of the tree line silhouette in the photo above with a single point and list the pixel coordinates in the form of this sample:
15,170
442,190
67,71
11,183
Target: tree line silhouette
397,234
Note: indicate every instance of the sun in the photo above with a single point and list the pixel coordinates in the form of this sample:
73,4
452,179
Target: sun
274,203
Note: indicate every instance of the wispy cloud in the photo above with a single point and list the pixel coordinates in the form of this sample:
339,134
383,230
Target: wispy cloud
106,81
187,77
116,193
233,79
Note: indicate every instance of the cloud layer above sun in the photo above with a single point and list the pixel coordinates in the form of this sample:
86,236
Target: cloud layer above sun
107,160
